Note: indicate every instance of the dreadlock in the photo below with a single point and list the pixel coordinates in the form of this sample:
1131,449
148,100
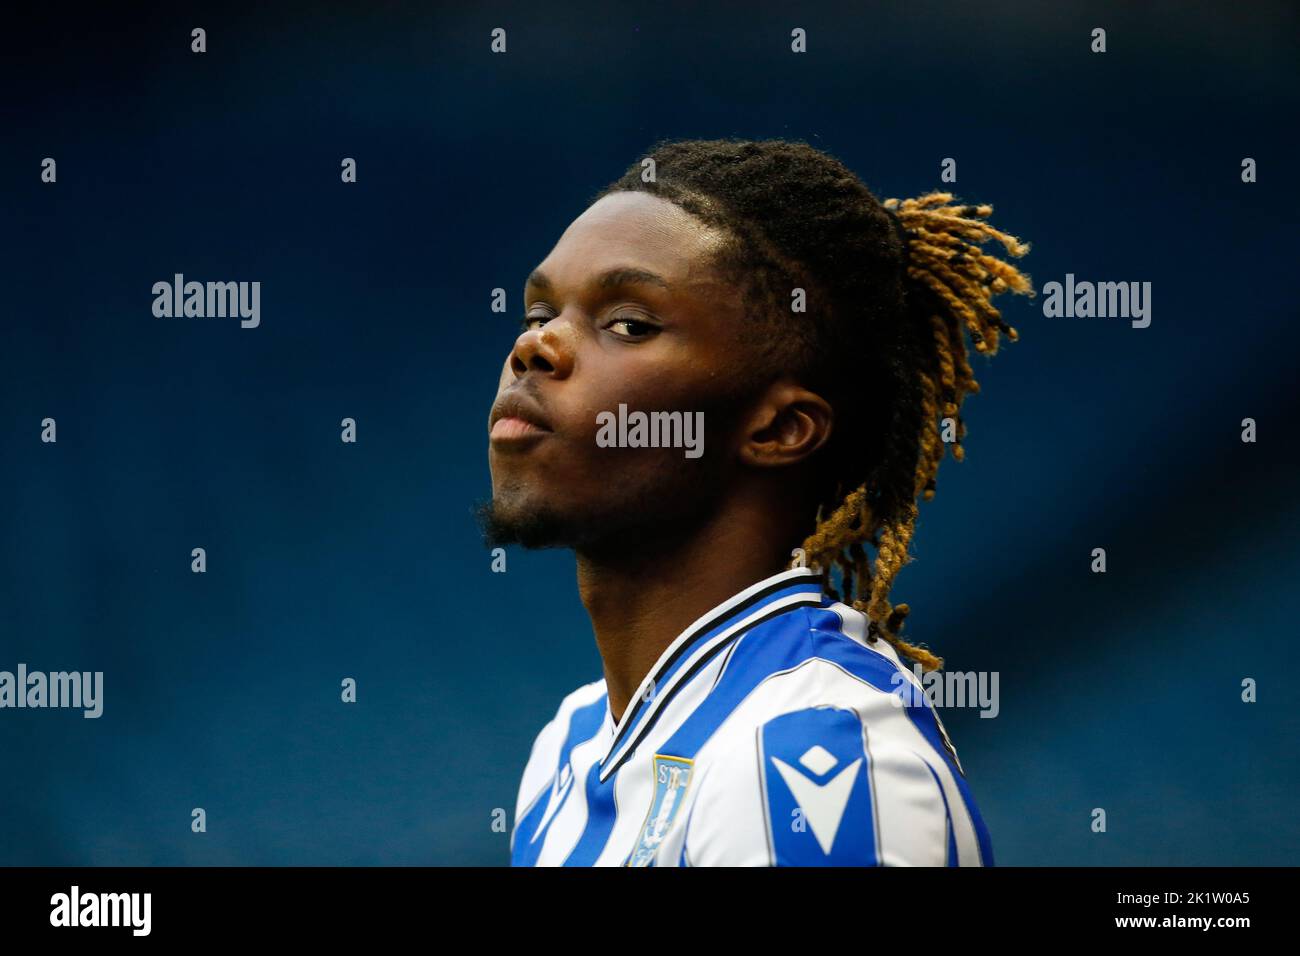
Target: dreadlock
893,291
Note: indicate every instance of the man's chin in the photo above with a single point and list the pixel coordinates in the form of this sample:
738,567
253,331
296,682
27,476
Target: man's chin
527,527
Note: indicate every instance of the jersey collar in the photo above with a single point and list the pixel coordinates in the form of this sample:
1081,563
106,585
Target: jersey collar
711,633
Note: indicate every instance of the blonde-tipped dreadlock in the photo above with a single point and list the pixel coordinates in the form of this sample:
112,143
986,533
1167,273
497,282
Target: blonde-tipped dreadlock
884,337
944,257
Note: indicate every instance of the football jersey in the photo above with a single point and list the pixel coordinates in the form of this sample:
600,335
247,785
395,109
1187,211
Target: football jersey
769,733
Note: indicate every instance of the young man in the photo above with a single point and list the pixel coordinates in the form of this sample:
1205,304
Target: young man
754,708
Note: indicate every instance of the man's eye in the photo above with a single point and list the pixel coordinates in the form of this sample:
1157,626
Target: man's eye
631,328
533,321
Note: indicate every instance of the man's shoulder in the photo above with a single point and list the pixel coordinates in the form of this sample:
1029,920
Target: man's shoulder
820,765
823,658
852,692
835,667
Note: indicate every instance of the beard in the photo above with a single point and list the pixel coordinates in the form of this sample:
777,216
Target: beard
640,519
532,529
541,527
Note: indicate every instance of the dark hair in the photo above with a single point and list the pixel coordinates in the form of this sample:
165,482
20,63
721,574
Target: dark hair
891,290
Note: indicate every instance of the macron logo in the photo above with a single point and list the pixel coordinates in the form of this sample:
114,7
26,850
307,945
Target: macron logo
102,909
823,804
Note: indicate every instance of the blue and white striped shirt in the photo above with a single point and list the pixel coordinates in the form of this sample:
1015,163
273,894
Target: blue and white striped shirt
768,733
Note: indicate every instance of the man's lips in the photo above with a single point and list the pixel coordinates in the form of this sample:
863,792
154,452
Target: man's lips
515,429
515,417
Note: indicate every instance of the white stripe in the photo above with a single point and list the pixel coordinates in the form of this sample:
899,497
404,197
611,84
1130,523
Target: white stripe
912,823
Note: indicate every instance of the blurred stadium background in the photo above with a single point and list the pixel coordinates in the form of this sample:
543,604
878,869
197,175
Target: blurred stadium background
326,560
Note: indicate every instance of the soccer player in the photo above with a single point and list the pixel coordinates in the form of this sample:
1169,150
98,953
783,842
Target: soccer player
755,707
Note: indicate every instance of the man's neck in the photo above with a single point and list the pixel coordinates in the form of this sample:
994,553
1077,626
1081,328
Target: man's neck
640,603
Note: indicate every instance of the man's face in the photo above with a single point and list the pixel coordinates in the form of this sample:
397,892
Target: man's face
624,310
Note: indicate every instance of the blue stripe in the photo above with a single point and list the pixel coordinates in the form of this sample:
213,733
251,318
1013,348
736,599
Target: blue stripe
947,819
601,816
584,723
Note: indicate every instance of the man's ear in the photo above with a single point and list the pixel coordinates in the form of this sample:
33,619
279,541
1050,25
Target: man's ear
788,423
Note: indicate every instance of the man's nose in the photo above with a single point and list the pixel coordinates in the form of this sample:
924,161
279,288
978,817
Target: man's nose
548,350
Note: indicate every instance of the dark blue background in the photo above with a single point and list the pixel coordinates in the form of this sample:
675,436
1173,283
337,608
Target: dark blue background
328,560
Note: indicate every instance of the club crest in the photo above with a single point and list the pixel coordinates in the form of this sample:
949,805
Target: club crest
672,775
